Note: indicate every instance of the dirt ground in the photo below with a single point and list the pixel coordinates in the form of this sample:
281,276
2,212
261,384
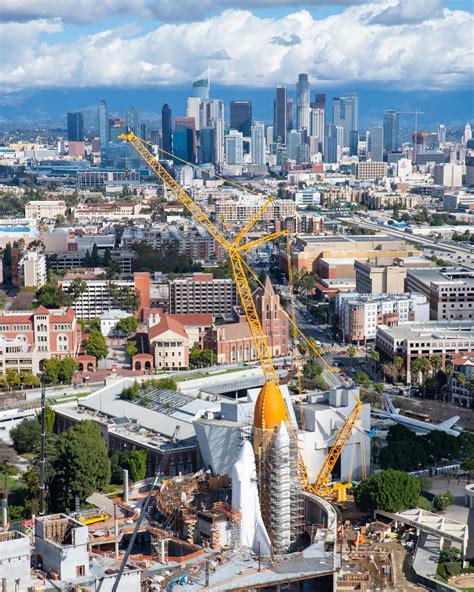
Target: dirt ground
439,411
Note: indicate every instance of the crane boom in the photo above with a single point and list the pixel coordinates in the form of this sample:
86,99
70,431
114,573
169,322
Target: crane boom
322,481
235,258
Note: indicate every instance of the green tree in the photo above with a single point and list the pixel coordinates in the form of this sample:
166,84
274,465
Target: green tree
421,366
389,490
403,456
137,464
95,257
96,345
48,296
399,365
12,378
82,466
362,378
435,363
375,357
113,269
200,358
131,349
29,379
77,287
127,326
66,369
26,436
50,418
424,503
7,264
50,370
400,433
351,352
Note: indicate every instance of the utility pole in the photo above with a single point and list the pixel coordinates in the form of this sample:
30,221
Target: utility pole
42,508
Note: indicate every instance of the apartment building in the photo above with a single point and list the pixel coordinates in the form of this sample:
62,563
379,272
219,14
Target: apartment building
450,291
381,200
33,269
98,295
45,210
359,314
170,344
202,293
189,238
415,339
27,337
370,169
244,208
88,212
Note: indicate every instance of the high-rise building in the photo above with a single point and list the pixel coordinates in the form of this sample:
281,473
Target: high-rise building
132,120
201,89
317,124
184,138
234,147
320,101
269,135
289,114
155,137
143,131
354,143
302,102
212,115
345,113
75,127
441,134
166,124
207,146
193,109
467,135
303,154
280,126
258,149
241,117
104,131
293,141
391,131
376,143
333,144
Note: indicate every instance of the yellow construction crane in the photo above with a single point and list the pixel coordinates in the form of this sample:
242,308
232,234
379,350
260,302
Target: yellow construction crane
235,250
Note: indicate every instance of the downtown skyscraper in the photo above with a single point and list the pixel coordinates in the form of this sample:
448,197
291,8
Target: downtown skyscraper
345,114
280,114
166,123
104,129
302,103
258,143
391,131
241,117
75,127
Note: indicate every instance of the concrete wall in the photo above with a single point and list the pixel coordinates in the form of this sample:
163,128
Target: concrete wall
15,560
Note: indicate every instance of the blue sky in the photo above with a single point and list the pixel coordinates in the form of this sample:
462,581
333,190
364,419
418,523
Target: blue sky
411,44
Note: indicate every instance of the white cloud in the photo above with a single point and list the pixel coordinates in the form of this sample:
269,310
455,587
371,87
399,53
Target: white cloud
408,11
350,47
85,11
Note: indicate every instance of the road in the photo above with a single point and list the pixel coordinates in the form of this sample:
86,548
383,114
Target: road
458,250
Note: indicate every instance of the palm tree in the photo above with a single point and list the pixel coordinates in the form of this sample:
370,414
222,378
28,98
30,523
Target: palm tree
423,366
351,352
435,362
399,364
375,355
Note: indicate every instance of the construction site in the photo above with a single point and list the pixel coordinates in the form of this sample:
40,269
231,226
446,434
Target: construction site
266,509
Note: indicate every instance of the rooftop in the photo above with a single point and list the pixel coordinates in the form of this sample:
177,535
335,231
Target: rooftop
434,330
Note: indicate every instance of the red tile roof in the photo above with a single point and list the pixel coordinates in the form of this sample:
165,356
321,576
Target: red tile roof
167,323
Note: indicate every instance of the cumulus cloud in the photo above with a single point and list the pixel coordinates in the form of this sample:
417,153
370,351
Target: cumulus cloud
353,46
287,42
407,11
84,11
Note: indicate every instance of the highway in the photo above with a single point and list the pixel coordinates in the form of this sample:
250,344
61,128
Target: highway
458,250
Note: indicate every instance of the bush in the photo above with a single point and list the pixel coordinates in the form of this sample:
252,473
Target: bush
424,503
443,500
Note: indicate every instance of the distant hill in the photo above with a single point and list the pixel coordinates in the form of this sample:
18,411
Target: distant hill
48,107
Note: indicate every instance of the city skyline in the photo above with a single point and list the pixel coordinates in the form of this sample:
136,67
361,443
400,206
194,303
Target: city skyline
266,44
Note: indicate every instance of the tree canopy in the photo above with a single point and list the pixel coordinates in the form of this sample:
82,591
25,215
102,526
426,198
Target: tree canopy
82,466
389,490
96,345
127,326
26,436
